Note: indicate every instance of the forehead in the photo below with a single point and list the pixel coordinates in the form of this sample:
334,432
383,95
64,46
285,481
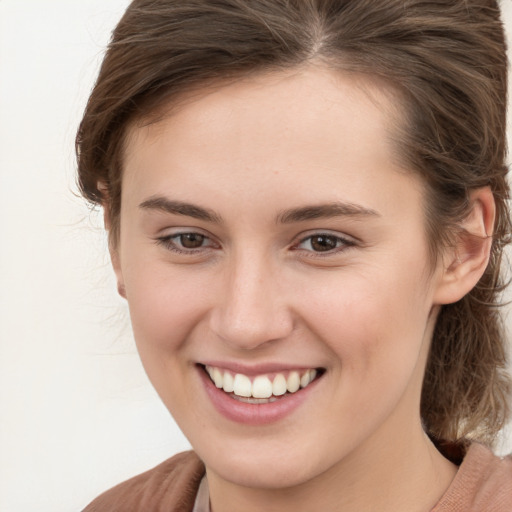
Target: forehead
306,94
307,124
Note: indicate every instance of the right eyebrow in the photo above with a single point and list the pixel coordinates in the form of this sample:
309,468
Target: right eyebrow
166,205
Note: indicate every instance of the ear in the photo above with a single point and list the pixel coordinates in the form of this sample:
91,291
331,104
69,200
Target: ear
112,244
105,200
466,261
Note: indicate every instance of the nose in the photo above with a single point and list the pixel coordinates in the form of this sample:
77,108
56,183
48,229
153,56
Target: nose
252,310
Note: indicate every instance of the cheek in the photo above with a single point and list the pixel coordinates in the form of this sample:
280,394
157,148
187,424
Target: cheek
165,309
165,305
374,322
376,337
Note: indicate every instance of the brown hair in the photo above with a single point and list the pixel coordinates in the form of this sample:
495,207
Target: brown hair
446,57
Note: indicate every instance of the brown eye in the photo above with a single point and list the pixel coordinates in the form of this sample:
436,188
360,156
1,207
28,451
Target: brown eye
191,240
322,243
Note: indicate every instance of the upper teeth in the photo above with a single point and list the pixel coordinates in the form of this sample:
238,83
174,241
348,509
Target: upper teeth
262,386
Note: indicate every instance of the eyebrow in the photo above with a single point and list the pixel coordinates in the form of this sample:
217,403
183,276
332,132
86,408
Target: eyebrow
301,214
163,204
325,211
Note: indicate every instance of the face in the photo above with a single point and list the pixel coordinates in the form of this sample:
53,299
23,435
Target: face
268,236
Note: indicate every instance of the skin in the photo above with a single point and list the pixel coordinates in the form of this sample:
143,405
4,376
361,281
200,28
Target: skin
256,291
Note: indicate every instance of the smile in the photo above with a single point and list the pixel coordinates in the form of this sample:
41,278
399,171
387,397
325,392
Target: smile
264,388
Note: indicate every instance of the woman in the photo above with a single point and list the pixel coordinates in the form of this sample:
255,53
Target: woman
306,204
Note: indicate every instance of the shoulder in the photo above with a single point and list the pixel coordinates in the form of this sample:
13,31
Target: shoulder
170,486
483,482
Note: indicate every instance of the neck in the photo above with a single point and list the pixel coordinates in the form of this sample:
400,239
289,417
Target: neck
408,475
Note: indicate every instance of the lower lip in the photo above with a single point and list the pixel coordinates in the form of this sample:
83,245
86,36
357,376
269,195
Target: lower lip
254,414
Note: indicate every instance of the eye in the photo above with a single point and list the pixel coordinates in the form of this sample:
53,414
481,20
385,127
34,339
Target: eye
191,240
188,242
323,243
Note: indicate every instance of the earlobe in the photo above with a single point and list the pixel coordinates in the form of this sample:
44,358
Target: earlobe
116,265
114,253
466,261
105,198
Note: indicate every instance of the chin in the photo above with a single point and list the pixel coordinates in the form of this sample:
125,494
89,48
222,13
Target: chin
262,473
278,465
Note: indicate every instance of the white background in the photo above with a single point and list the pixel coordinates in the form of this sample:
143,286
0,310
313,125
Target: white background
77,414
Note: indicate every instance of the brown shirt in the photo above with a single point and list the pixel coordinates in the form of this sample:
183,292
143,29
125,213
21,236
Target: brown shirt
482,484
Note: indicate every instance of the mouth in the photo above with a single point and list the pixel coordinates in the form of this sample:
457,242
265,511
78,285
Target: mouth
263,388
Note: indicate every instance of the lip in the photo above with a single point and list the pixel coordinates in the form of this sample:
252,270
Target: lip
254,370
254,414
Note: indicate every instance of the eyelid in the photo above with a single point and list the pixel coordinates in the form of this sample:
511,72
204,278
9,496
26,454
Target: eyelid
346,242
167,240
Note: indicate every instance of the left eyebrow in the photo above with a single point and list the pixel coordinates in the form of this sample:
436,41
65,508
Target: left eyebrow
325,211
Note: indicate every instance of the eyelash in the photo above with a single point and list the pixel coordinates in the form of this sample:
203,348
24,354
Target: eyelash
341,243
170,244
